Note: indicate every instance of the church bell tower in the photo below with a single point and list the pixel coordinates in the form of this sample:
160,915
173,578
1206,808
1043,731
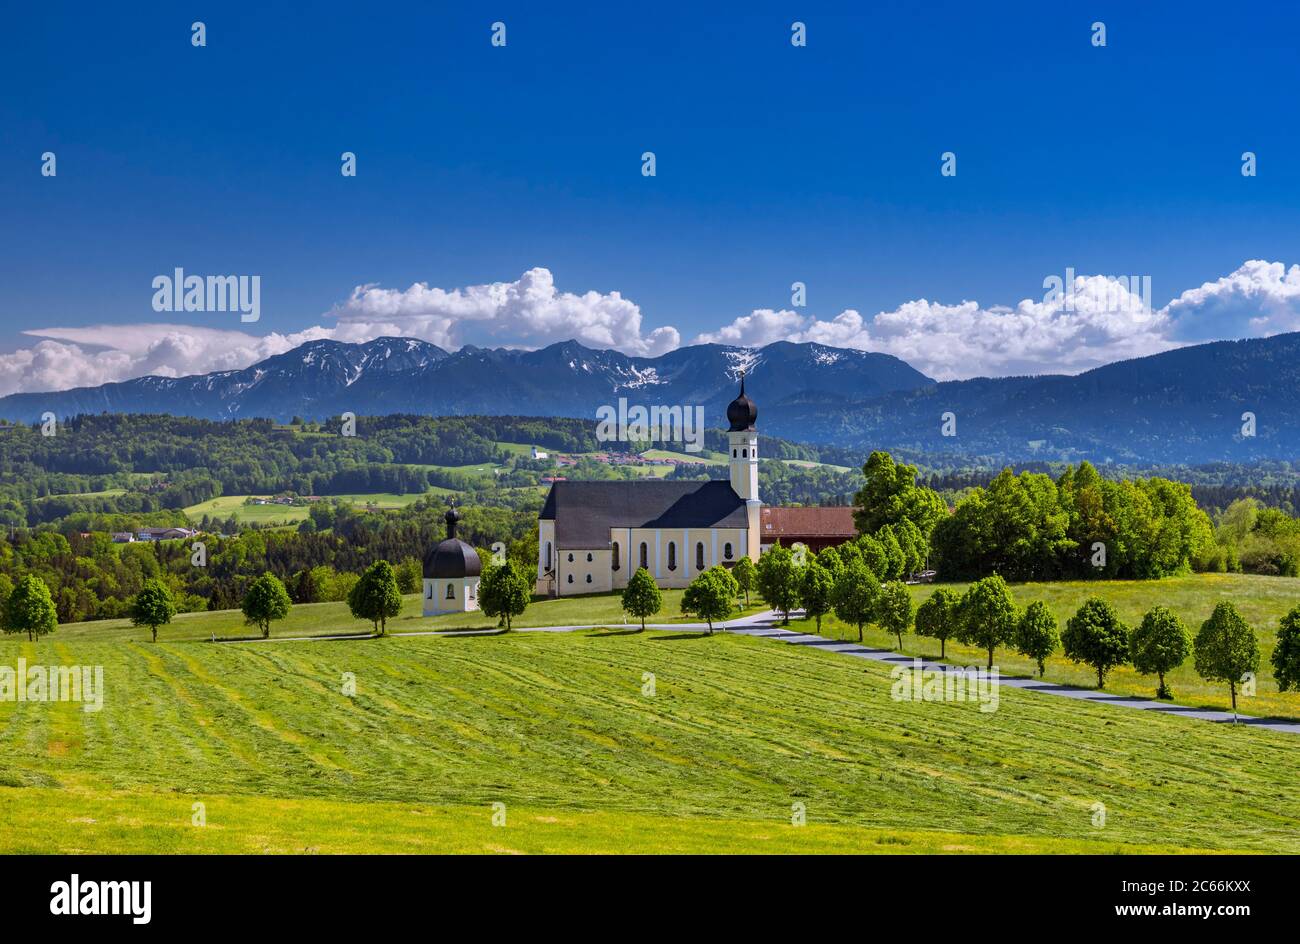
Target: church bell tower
742,439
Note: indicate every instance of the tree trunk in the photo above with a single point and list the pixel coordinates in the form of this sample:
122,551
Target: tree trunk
643,624
819,624
859,632
1041,668
1101,677
155,633
266,631
710,622
1232,687
943,644
900,642
29,634
990,666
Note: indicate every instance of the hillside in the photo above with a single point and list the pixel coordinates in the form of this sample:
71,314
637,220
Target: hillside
557,727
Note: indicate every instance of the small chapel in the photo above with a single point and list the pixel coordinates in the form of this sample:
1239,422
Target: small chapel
592,536
451,573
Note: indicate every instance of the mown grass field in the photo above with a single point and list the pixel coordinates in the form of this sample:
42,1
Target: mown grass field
1261,600
561,728
225,506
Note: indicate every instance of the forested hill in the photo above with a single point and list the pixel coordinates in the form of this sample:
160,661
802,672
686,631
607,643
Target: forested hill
1186,406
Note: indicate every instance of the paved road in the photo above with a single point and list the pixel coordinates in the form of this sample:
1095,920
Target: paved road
766,625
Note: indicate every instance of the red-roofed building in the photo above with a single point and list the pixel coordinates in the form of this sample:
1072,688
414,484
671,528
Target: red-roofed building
815,527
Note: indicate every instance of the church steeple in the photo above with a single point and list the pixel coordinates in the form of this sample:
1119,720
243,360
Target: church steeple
743,442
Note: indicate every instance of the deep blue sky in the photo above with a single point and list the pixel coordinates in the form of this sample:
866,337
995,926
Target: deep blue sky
775,163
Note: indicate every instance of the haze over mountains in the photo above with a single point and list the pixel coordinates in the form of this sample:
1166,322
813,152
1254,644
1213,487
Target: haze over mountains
1182,406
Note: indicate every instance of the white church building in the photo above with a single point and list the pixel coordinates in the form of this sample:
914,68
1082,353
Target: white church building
592,536
451,573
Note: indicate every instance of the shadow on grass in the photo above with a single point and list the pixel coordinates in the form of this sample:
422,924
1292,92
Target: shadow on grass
673,637
614,632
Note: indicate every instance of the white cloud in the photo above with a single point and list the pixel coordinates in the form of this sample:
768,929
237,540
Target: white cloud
528,312
1103,320
1106,322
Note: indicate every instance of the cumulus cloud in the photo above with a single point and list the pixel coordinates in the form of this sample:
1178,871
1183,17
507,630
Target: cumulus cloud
1094,321
528,312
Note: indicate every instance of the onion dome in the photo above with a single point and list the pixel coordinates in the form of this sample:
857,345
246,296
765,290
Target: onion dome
452,557
741,412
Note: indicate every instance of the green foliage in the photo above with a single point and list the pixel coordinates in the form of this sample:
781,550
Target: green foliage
894,609
1161,643
1027,527
855,594
30,609
988,615
376,596
1037,634
265,602
410,575
1286,652
642,596
891,496
939,617
816,591
746,576
711,595
153,606
505,591
1226,649
1095,636
778,579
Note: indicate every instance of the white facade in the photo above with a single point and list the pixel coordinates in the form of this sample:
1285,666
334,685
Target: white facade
450,595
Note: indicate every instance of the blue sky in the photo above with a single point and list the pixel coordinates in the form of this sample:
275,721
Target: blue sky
774,164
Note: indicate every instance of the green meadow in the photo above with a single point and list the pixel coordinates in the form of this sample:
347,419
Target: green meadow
599,740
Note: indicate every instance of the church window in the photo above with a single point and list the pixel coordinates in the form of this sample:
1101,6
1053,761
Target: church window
570,578
726,550
588,578
548,555
744,453
451,591
590,558
430,594
699,556
473,590
645,555
672,555
570,558
734,453
615,556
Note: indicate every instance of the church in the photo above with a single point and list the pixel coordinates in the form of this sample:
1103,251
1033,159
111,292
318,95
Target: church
592,536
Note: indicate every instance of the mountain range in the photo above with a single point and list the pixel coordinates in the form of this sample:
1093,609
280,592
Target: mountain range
1183,406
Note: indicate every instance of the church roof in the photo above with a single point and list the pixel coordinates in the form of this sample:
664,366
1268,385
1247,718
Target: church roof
452,558
584,512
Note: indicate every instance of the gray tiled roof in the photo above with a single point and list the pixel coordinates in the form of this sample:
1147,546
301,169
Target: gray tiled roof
584,512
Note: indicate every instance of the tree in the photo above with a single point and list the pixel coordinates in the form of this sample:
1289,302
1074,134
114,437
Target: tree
746,576
505,592
642,596
816,591
939,617
1037,634
894,610
153,606
778,580
376,596
265,601
891,496
1096,637
1160,644
1226,649
30,609
988,615
1286,652
712,595
410,575
855,593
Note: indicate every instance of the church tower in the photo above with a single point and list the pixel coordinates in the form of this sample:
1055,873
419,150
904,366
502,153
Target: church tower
742,439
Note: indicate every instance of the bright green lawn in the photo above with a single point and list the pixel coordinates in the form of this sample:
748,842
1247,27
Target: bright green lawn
560,728
226,505
1262,600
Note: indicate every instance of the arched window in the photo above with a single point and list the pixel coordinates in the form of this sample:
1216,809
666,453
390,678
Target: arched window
588,578
734,453
429,596
548,555
451,591
672,555
570,578
615,556
645,555
473,590
699,556
589,558
570,558
744,453
726,550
